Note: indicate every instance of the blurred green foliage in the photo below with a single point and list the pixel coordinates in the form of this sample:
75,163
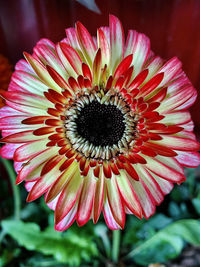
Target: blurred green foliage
68,247
33,242
166,243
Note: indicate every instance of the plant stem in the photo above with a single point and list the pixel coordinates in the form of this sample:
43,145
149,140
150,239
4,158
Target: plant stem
116,245
15,189
106,243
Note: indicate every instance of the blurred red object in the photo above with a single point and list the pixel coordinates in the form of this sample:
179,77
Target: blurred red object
5,75
173,27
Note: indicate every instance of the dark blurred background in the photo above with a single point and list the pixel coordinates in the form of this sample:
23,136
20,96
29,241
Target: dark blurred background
173,27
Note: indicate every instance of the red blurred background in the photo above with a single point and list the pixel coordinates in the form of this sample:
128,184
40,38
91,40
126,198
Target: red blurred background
173,27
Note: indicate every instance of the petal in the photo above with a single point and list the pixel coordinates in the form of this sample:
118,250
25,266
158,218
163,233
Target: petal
115,201
165,186
189,126
106,31
86,200
179,117
98,198
189,101
110,221
187,134
27,109
59,98
177,99
18,166
27,99
86,43
29,150
116,42
180,81
34,162
161,149
144,197
47,43
73,41
12,122
44,182
179,143
68,220
123,66
73,84
29,185
73,57
71,38
53,203
8,111
22,65
68,196
158,96
139,45
41,71
151,85
153,66
29,83
21,137
128,194
188,159
44,54
147,180
57,78
86,71
64,178
96,68
104,46
69,58
7,151
139,79
171,68
130,170
165,167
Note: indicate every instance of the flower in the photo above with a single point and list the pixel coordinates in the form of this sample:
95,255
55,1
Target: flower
5,75
99,124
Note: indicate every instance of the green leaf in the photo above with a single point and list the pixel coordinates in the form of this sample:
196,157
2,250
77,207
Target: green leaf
196,204
167,243
174,210
102,231
137,230
180,193
190,181
130,235
31,209
158,221
39,260
7,256
68,247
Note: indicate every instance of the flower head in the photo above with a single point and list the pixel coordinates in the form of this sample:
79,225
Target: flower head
99,124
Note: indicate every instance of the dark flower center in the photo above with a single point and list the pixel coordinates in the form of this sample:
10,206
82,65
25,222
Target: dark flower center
100,124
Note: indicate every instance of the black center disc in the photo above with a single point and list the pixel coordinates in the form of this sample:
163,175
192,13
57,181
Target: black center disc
100,124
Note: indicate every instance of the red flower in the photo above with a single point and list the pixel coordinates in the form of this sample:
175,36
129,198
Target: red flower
99,124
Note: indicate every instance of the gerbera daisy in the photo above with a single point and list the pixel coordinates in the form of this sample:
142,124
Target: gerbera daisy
99,124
